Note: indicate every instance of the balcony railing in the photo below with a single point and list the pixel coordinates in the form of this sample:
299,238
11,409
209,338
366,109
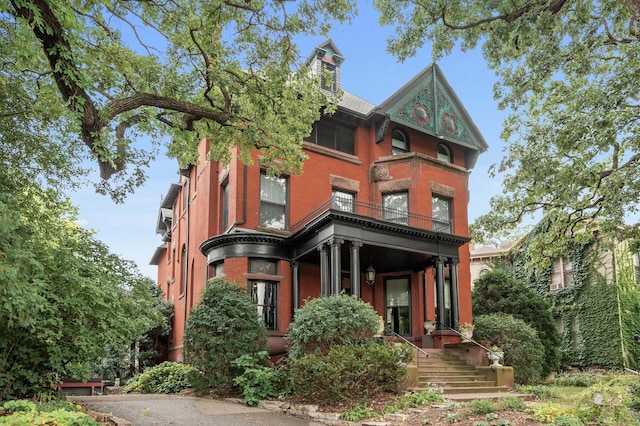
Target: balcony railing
374,211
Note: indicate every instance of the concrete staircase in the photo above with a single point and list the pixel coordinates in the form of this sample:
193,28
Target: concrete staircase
452,374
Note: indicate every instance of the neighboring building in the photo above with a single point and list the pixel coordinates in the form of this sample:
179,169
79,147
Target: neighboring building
483,258
593,291
384,192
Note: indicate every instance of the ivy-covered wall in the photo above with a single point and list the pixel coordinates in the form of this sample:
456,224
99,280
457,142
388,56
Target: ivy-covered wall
598,318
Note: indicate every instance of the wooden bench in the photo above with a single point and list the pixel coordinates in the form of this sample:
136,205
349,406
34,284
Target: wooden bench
81,385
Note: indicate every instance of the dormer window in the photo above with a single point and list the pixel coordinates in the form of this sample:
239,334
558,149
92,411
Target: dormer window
444,153
399,142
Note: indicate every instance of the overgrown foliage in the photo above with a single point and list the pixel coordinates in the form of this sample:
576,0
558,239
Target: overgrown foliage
109,80
144,351
497,292
168,377
588,309
349,372
221,328
522,347
568,74
327,321
258,380
64,294
23,412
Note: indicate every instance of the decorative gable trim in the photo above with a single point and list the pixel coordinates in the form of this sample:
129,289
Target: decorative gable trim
428,104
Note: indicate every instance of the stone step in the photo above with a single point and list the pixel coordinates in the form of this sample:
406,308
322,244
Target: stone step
473,389
446,379
445,369
462,384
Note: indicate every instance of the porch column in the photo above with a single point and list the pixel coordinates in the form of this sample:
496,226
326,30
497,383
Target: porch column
324,270
336,268
455,303
295,291
355,269
440,292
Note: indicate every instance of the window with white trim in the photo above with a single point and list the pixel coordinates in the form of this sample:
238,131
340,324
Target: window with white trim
273,202
562,274
441,214
265,296
444,153
395,207
343,201
399,142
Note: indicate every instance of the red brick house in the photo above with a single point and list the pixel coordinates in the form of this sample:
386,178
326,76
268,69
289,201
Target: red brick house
384,191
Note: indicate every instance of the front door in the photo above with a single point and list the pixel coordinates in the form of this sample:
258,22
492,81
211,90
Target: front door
397,305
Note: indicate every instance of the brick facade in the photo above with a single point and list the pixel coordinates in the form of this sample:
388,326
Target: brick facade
325,244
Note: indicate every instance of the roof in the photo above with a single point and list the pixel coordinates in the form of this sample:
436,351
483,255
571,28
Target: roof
356,104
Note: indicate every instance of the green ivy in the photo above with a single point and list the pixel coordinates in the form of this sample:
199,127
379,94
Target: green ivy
591,311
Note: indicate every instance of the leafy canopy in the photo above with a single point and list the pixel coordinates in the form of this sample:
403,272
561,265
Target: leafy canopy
116,77
568,71
64,295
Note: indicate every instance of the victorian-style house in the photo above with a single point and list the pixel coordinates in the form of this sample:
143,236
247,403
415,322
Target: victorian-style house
379,212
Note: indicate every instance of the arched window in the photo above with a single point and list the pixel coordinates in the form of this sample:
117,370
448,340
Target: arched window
399,142
444,153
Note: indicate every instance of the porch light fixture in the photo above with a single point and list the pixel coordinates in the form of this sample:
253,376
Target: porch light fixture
370,275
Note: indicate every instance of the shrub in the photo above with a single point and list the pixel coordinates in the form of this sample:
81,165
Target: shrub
350,372
257,380
328,321
168,377
482,406
522,348
23,412
222,327
497,292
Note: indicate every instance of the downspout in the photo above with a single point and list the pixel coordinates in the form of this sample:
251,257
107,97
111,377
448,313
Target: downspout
244,201
186,266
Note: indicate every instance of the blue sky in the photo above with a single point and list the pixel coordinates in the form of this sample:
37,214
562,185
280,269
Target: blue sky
368,72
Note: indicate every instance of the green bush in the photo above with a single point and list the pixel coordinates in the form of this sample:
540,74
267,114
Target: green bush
26,413
222,327
168,377
257,380
497,292
350,372
327,321
523,349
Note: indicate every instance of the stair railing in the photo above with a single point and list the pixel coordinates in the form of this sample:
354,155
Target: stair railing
470,340
413,345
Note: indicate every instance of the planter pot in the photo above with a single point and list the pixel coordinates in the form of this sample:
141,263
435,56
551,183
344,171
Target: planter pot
495,357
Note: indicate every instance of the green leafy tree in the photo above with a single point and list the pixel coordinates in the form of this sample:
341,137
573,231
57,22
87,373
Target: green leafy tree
328,321
568,72
99,75
221,328
523,349
146,350
64,294
497,292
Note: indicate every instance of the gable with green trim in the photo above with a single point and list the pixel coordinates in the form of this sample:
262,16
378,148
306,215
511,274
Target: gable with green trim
428,104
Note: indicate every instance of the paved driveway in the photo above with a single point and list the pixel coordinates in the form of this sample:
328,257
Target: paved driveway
159,410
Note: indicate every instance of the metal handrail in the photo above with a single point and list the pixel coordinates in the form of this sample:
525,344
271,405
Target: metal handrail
467,339
419,349
374,211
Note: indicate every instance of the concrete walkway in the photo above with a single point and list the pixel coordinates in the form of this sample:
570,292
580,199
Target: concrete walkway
160,410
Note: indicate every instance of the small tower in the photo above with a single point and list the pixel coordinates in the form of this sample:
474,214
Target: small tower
324,62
